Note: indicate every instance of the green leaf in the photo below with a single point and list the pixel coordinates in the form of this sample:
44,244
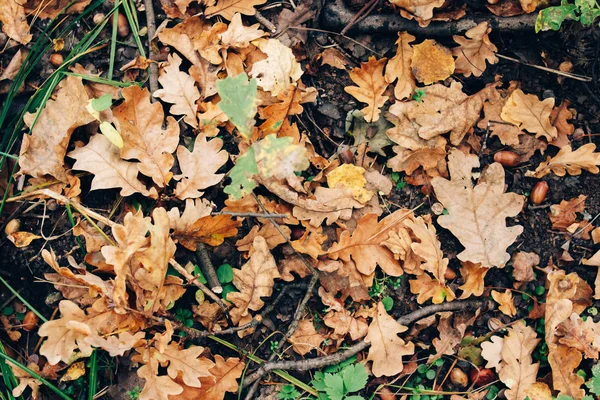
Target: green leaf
102,103
198,273
318,381
228,288
225,273
354,397
372,133
355,377
589,11
288,392
238,101
551,18
241,175
594,383
334,386
388,303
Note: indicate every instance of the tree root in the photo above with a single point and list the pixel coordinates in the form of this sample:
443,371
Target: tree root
336,16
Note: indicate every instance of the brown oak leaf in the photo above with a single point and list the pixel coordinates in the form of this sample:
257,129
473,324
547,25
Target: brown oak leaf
228,8
370,87
305,337
474,50
569,161
14,21
527,112
399,67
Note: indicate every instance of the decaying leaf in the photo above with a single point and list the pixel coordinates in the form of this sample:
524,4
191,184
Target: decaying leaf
523,264
280,69
474,50
387,349
431,62
477,214
370,87
564,215
527,112
569,161
353,178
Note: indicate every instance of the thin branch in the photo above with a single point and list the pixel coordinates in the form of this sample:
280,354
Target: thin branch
151,24
208,268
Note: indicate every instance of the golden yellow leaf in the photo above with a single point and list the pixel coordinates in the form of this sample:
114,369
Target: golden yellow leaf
228,8
477,214
474,50
14,21
431,62
473,275
387,349
351,177
370,87
527,112
22,239
43,152
399,67
569,161
428,288
507,306
199,167
539,391
254,280
75,371
180,90
305,337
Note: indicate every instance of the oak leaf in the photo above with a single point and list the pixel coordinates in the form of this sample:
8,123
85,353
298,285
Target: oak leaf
527,112
310,242
431,62
287,19
43,152
224,375
334,58
594,261
364,245
474,50
370,87
199,167
268,231
477,214
140,124
523,264
280,69
239,36
507,133
518,372
187,362
193,211
254,280
387,349
212,230
428,288
26,380
228,8
14,21
507,305
46,10
564,214
473,276
569,161
580,335
305,337
421,10
276,114
492,352
157,387
180,90
399,67
452,330
564,362
101,158
429,248
94,240
293,263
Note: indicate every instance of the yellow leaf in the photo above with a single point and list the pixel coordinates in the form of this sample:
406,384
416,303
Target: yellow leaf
431,62
22,239
507,306
75,371
353,178
370,87
111,134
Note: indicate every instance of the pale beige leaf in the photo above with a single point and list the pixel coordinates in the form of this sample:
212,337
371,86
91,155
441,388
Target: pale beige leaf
477,214
254,280
43,152
157,387
305,337
492,352
569,161
429,248
116,345
594,261
239,36
228,8
180,90
428,288
14,21
199,167
140,124
527,112
193,211
422,10
474,50
187,362
398,67
280,69
224,376
518,372
370,87
387,349
101,158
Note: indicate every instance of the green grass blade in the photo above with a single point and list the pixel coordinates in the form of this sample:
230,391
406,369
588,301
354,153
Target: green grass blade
10,381
93,382
135,30
18,296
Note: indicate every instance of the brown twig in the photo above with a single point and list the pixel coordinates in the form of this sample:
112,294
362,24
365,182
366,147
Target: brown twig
546,69
265,22
250,214
320,362
151,25
361,14
208,269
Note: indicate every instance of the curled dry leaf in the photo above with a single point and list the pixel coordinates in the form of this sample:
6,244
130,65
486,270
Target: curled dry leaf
254,280
370,87
180,90
140,124
14,21
474,50
569,161
527,112
305,337
473,275
387,349
564,215
43,152
199,167
431,62
477,214
429,248
399,67
507,305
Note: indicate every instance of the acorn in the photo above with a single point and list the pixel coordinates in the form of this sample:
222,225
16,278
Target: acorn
539,192
482,377
459,378
56,59
449,274
98,18
122,26
12,226
30,321
507,158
